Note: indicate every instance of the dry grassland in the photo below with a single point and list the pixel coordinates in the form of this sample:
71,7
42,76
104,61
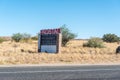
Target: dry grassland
26,53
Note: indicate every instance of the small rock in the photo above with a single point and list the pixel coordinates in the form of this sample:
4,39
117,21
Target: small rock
118,50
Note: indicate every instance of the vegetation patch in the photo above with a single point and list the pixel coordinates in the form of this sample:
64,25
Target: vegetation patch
110,38
2,40
94,43
67,35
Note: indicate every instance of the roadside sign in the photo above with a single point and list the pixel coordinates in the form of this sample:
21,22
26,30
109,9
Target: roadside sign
49,41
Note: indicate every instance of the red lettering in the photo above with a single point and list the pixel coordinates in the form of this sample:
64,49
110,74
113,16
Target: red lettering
50,31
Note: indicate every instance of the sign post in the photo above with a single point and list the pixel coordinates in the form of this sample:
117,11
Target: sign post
49,41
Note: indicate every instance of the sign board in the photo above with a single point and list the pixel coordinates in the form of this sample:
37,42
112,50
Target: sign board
49,41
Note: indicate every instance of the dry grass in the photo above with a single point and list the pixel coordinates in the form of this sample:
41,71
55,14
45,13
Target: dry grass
26,53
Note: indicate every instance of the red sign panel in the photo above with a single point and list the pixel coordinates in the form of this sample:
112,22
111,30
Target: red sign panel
51,31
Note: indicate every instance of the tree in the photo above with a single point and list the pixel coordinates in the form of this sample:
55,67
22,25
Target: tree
17,37
66,35
110,38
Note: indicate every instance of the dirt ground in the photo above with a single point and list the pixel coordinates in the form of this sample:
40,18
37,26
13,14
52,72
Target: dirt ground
74,52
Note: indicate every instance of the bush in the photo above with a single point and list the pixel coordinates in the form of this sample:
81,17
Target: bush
94,43
2,40
26,37
34,38
110,38
118,49
66,35
17,37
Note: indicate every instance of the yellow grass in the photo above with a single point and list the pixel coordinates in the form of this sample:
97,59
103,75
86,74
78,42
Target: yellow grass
26,53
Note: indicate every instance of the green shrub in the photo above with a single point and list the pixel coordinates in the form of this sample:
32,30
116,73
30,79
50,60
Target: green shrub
26,37
1,40
110,38
21,37
17,37
94,43
34,38
66,35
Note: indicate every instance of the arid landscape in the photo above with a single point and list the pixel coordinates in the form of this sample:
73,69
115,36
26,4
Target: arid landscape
74,52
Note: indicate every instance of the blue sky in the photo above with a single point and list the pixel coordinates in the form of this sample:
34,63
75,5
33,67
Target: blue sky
86,18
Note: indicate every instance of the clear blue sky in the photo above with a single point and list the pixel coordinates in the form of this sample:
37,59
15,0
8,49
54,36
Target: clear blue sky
86,18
